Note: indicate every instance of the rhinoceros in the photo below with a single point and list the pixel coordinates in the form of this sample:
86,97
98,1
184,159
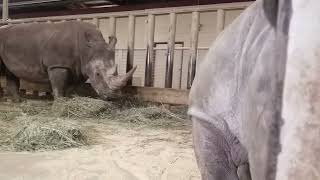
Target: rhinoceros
62,54
255,99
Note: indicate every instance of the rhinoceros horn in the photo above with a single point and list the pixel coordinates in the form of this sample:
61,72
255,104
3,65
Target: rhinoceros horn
117,82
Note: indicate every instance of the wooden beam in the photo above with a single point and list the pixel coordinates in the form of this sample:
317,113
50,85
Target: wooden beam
159,95
112,26
170,54
220,20
194,47
130,54
103,13
96,22
5,10
35,86
150,53
152,94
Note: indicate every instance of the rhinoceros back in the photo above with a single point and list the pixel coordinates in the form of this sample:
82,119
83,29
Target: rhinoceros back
30,49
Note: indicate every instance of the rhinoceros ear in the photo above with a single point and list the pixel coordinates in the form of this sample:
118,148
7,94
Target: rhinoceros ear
112,42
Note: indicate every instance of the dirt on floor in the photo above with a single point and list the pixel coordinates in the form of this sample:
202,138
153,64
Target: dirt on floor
138,142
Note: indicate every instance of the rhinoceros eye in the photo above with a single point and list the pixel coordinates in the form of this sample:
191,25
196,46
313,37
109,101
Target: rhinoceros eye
98,74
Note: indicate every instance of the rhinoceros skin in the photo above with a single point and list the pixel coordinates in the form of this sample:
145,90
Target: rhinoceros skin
236,97
62,54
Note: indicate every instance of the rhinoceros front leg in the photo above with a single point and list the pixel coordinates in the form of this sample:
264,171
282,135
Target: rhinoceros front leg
212,152
59,78
13,85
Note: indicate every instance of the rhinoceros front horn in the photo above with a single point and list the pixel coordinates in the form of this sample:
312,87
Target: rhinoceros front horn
118,82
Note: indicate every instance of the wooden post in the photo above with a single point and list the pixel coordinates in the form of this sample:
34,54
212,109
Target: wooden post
220,20
194,47
130,53
150,52
96,22
170,53
5,10
112,26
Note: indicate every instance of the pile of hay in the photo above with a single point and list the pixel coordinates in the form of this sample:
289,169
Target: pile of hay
39,133
47,125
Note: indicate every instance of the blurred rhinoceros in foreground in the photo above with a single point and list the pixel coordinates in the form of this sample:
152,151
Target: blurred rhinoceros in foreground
255,100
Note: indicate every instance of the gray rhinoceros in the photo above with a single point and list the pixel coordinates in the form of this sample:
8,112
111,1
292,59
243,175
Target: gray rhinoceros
236,98
63,54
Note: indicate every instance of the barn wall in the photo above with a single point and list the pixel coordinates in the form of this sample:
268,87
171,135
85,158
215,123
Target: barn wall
207,34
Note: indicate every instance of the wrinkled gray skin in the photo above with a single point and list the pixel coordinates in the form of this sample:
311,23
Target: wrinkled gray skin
63,54
235,99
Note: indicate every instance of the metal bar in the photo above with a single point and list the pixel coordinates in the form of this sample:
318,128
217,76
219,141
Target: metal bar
5,10
112,26
96,22
170,54
220,20
150,53
130,52
161,48
194,47
160,11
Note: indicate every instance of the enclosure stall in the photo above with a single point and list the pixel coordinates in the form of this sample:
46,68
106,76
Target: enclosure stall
137,137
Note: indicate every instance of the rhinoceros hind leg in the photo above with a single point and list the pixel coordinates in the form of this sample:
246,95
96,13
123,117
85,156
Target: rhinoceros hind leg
244,172
59,78
13,85
212,152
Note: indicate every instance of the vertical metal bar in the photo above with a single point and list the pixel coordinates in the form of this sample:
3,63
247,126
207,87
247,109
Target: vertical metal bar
181,68
194,47
112,26
150,52
5,10
96,22
220,20
130,53
170,53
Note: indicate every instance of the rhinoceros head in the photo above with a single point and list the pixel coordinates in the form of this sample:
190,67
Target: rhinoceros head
102,70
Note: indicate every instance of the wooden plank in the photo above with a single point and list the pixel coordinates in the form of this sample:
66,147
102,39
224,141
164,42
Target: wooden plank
34,86
130,55
220,20
170,54
5,10
194,47
157,11
112,26
152,94
150,54
159,95
96,22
